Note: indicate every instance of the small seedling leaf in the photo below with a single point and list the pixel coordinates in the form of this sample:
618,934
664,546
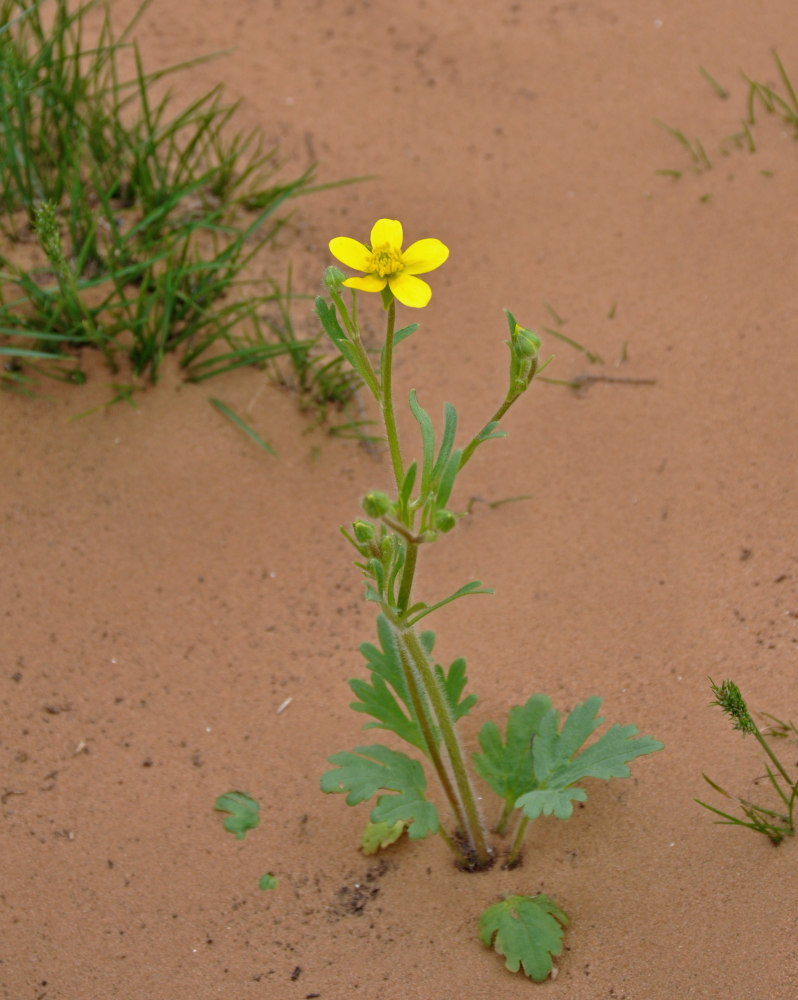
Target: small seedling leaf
376,768
243,812
268,881
378,836
527,931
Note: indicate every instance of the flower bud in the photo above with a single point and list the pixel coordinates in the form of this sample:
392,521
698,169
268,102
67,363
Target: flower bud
334,280
364,531
526,344
375,504
445,520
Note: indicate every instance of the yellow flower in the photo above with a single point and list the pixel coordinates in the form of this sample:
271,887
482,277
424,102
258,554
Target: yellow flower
385,263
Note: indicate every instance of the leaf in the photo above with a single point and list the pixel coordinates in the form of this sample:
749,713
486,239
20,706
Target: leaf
427,440
527,930
447,441
507,767
380,835
393,709
557,766
242,425
243,812
453,684
400,335
268,881
420,611
377,699
376,768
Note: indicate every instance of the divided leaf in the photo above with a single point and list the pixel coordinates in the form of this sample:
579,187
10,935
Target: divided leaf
527,930
453,684
377,699
372,769
243,812
507,767
387,698
557,766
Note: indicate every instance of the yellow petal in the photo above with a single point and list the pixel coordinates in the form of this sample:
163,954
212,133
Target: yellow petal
368,283
423,256
410,291
350,252
387,231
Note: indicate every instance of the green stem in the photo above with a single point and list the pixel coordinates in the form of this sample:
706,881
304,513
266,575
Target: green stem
504,819
515,851
472,829
411,555
422,714
387,398
471,447
765,746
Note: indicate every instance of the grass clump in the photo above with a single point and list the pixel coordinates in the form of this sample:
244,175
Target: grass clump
127,224
779,99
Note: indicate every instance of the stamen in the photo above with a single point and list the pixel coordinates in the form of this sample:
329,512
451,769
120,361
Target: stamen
385,260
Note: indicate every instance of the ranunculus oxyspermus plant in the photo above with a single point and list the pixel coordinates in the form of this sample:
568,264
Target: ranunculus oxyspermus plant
537,766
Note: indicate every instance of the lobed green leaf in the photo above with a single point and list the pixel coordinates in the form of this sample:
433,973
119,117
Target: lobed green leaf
243,812
376,768
557,765
508,767
527,931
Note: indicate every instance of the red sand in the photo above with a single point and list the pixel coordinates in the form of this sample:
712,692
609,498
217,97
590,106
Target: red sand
167,586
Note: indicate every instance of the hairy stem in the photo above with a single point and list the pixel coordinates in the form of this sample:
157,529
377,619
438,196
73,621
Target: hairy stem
471,824
422,714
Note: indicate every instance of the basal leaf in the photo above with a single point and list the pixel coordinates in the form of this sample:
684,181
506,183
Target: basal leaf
527,931
551,801
243,812
377,836
372,769
267,881
507,767
558,766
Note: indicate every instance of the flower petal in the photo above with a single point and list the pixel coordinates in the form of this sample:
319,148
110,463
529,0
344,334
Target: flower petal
368,283
350,252
423,256
409,290
387,231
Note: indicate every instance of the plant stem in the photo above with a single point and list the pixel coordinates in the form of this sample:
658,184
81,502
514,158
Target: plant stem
766,747
411,555
515,851
472,829
422,714
471,447
387,398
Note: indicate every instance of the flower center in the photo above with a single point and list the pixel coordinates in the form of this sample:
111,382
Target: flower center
385,260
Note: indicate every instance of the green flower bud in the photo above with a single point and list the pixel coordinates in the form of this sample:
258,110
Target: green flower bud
334,280
375,504
445,520
364,531
526,344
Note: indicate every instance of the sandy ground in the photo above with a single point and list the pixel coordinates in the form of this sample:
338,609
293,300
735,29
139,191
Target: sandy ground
166,586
